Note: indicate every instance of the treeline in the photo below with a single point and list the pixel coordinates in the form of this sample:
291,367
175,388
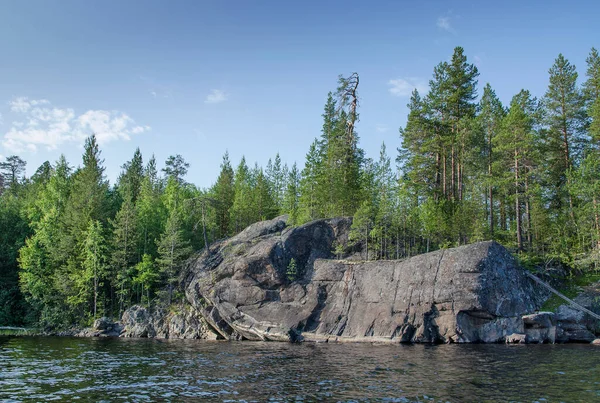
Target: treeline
73,247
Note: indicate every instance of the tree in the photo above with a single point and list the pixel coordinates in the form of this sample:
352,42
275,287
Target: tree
150,209
176,167
276,175
11,170
146,275
124,249
173,249
292,270
129,182
385,185
564,119
241,210
224,194
362,224
292,195
515,144
264,207
309,185
491,113
94,263
591,95
14,230
88,201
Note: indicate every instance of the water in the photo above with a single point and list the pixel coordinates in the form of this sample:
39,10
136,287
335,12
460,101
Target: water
125,370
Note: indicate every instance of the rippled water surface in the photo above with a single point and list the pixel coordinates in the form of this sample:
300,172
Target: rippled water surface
70,369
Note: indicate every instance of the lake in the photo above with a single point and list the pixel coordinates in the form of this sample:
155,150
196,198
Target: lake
145,370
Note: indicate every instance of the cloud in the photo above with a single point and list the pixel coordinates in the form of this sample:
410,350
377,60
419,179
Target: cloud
444,24
403,87
381,128
23,104
1,120
216,97
477,61
43,125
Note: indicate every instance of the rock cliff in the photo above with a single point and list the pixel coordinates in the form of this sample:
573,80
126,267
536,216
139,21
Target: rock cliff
243,289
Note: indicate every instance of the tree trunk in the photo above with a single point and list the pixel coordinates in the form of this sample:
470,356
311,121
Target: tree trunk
597,220
528,215
518,204
490,188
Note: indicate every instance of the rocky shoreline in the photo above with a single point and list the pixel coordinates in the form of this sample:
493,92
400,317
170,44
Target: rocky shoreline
242,289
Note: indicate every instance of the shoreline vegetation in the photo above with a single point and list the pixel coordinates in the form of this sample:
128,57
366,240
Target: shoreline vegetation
74,248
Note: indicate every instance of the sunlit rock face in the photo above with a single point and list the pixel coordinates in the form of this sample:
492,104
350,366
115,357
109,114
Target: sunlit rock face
243,289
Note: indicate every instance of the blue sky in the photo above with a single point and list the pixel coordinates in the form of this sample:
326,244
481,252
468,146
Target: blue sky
199,77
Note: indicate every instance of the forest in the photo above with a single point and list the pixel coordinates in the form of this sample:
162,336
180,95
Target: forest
74,247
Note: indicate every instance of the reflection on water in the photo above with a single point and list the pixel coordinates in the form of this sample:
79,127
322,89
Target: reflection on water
68,369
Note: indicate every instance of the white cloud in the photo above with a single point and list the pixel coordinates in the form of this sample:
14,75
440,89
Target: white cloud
23,104
44,125
153,93
403,87
381,128
443,23
215,97
1,120
477,61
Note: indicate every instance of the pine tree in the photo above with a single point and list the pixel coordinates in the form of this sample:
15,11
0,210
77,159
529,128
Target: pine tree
11,171
176,167
385,185
491,113
515,145
564,118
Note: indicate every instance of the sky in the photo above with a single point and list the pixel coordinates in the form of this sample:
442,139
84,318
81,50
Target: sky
198,78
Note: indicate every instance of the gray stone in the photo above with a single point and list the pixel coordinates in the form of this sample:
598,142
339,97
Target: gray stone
474,293
540,327
102,327
516,338
180,322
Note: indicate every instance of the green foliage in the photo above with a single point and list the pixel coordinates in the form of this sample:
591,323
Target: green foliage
292,270
72,247
173,249
146,275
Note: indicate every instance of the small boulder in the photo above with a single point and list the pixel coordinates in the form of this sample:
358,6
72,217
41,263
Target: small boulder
103,324
516,338
596,342
540,327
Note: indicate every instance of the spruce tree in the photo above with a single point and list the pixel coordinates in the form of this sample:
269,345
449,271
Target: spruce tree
292,196
224,194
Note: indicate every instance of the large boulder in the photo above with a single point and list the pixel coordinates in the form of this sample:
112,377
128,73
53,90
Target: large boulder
244,290
102,327
177,322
